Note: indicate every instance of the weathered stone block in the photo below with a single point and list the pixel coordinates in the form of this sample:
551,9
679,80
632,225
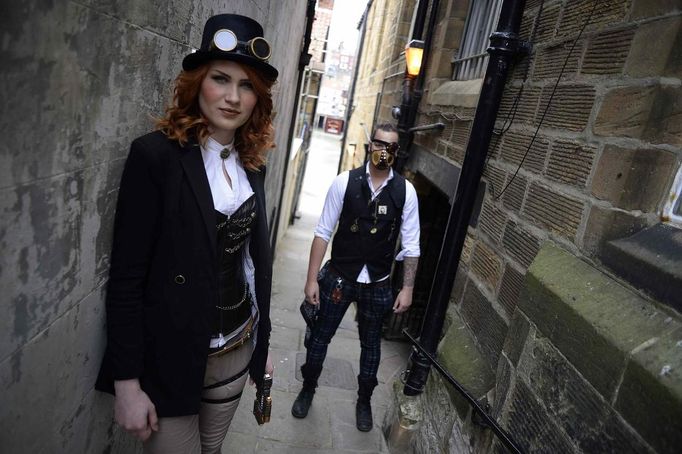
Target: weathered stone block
440,62
510,288
486,324
531,426
468,246
460,133
650,112
492,221
622,173
496,178
607,52
503,377
516,339
548,24
486,265
550,61
459,354
593,320
604,225
462,93
515,150
577,13
572,403
663,36
453,33
650,397
649,260
526,107
558,213
514,193
520,244
652,8
571,106
570,162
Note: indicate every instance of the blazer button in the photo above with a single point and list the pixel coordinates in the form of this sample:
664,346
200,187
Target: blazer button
179,279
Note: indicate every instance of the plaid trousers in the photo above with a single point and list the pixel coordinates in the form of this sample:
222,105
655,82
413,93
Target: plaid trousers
374,302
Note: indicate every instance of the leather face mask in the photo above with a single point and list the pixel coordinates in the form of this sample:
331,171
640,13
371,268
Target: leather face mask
383,153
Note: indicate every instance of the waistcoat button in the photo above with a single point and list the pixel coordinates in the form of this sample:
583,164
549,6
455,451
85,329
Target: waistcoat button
180,279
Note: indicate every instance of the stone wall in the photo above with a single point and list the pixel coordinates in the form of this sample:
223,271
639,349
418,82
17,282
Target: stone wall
379,73
78,81
580,166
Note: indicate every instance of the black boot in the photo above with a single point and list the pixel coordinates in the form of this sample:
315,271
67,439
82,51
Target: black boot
363,415
303,402
305,397
363,408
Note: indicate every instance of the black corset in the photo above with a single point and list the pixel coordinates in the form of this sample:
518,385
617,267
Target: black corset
234,296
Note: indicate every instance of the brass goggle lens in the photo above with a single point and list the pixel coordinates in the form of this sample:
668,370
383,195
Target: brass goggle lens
390,147
227,41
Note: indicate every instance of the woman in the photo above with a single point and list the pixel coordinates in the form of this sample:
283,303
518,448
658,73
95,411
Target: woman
189,289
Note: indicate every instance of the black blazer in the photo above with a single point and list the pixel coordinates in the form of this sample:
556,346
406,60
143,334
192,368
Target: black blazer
163,278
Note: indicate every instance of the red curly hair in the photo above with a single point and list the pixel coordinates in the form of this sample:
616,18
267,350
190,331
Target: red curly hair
183,118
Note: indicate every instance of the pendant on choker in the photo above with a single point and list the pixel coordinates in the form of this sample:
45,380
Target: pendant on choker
224,153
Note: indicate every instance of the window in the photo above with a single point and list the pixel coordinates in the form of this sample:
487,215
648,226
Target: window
472,58
672,211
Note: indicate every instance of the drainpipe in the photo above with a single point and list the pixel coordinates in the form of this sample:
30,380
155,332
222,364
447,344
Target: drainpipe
504,46
413,91
351,97
303,60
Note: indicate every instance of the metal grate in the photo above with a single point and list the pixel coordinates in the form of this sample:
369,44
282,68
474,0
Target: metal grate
472,59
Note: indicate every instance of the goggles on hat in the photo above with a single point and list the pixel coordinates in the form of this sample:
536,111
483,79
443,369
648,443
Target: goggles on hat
380,145
227,41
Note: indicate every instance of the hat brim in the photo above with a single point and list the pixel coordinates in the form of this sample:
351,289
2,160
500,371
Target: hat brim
198,58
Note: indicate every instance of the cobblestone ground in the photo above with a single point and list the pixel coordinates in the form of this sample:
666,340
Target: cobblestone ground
330,425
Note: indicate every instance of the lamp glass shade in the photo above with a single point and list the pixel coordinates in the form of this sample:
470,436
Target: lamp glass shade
413,57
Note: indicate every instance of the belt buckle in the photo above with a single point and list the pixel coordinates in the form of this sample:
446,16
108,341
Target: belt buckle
246,335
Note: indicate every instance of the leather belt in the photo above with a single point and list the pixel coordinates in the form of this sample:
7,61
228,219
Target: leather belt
234,343
378,284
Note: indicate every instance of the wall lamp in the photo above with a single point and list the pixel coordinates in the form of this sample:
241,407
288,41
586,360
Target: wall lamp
414,51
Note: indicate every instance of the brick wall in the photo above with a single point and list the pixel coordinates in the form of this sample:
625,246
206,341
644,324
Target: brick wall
80,80
590,166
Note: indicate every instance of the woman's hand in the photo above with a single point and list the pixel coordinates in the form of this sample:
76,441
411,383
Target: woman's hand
133,410
269,368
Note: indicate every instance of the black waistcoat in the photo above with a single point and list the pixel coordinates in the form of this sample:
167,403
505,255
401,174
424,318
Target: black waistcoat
368,229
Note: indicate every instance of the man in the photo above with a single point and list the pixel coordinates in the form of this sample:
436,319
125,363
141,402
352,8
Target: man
372,206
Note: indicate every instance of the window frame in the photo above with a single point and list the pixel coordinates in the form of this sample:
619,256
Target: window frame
471,60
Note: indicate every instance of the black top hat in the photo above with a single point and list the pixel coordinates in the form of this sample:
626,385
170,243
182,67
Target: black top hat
233,37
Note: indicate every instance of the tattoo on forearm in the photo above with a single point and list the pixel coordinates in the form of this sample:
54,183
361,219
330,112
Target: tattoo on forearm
409,271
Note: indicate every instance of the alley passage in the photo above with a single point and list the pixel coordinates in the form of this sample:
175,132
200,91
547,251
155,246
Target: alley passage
330,425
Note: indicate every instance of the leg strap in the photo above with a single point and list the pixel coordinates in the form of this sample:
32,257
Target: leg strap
222,401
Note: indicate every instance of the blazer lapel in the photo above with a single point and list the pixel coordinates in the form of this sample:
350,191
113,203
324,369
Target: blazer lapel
193,164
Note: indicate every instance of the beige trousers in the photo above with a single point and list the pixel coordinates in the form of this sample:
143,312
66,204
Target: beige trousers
204,433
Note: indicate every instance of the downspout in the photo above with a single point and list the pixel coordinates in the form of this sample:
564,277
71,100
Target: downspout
504,46
303,61
412,96
351,98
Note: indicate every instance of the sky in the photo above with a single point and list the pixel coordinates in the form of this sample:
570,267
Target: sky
344,24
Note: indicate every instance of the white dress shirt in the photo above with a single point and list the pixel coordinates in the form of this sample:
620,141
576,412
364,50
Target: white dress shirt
227,199
409,229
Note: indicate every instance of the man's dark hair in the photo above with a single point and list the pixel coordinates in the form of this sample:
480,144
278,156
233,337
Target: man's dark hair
386,127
